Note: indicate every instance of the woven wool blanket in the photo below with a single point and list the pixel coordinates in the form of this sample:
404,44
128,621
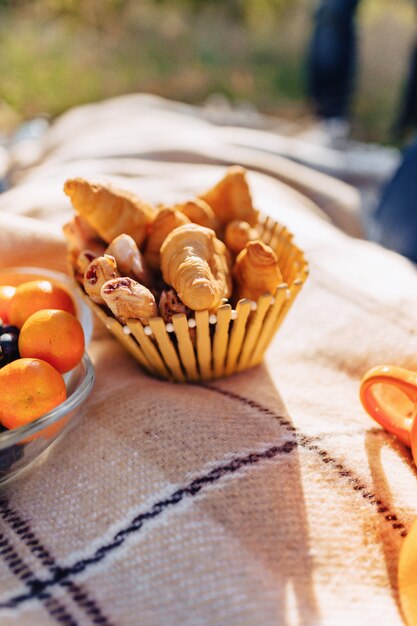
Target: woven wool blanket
266,498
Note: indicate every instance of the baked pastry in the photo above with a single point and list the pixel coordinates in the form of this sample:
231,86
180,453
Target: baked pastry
169,304
80,236
230,199
82,261
237,234
166,220
198,211
129,259
256,271
196,264
128,299
100,270
110,211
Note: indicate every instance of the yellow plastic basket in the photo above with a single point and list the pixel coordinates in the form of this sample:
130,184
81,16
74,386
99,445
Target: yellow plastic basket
231,340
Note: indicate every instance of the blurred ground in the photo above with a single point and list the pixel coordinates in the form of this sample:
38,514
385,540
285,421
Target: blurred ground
243,61
55,54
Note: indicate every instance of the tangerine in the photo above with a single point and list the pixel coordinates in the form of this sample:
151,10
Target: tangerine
6,294
36,295
54,336
29,389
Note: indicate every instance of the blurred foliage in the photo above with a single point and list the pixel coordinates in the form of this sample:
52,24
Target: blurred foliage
55,54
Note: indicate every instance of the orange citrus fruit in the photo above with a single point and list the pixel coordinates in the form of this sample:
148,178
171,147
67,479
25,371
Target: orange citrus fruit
407,576
36,295
54,336
29,388
6,294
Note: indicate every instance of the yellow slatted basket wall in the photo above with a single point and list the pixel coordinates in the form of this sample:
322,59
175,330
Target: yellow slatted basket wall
211,346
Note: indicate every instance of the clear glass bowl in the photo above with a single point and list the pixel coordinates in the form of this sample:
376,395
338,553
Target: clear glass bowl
22,447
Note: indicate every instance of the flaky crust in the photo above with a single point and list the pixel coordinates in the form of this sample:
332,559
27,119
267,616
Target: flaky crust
196,264
129,259
108,210
80,236
199,212
100,270
165,222
237,234
128,299
230,198
256,271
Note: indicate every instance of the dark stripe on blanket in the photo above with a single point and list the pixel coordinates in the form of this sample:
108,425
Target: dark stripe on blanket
194,487
19,569
27,536
309,443
191,490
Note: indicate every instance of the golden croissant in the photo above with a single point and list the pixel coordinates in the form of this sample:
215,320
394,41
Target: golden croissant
129,259
237,234
128,299
80,236
81,263
195,263
256,271
100,270
199,212
110,211
230,198
164,223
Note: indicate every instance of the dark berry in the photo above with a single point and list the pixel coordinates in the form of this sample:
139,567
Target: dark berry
8,328
9,347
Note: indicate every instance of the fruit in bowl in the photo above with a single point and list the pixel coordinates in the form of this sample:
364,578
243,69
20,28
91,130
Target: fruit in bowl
45,373
49,343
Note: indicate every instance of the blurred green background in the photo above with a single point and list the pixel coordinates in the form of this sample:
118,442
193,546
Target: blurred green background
55,54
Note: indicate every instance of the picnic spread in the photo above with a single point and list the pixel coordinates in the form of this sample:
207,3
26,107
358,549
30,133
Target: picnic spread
260,493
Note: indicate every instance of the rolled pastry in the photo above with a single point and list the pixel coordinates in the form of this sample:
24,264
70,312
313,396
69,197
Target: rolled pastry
199,212
256,271
237,234
230,199
196,264
128,299
129,259
110,211
80,236
164,223
100,270
170,304
82,261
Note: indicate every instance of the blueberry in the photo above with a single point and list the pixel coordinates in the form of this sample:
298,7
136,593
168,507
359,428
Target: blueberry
9,347
8,328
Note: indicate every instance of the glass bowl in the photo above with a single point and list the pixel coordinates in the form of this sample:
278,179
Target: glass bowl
23,447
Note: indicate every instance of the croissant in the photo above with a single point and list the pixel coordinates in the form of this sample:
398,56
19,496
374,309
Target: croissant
256,271
230,198
129,259
82,261
108,210
199,212
128,299
237,234
196,264
80,236
165,222
170,304
100,270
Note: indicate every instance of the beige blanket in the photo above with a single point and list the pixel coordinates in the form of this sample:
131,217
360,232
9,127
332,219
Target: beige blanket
266,498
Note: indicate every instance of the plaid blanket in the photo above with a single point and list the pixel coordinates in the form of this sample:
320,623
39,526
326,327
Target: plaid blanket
265,498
